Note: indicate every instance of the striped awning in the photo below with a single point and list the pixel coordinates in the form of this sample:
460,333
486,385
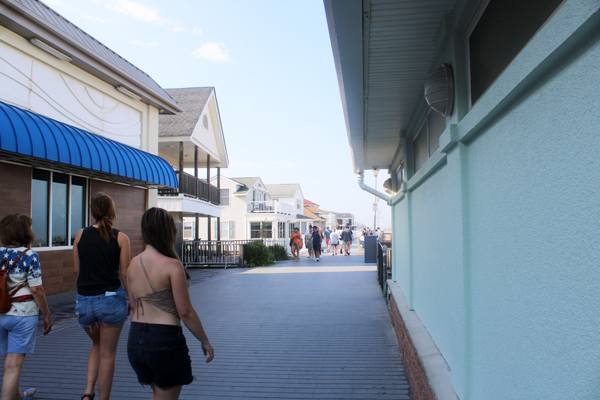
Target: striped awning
32,139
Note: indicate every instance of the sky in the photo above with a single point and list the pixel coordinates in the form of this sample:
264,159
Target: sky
272,67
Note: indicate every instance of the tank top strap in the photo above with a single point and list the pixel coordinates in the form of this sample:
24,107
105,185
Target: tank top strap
145,274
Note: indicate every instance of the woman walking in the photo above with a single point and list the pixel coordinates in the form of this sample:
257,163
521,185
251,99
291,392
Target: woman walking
296,243
18,325
101,256
157,348
335,240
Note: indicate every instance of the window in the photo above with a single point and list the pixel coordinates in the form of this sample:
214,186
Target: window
427,140
400,175
205,121
188,230
303,227
502,30
298,203
58,207
260,230
231,229
281,229
224,197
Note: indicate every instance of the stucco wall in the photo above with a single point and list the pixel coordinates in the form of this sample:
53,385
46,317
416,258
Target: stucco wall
497,248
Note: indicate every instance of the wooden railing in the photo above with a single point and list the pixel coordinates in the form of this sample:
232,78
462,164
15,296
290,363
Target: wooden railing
195,187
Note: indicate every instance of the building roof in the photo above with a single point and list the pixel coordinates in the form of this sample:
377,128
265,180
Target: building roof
193,101
300,216
311,215
282,190
383,52
308,202
33,19
313,209
246,183
344,215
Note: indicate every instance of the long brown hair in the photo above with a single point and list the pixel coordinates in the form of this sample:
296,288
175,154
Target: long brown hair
103,211
159,231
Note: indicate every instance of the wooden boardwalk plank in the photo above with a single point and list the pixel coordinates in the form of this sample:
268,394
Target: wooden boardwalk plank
290,331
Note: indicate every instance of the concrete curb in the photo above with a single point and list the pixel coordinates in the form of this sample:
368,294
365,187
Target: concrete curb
428,371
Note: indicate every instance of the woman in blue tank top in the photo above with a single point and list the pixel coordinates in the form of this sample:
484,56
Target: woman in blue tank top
101,256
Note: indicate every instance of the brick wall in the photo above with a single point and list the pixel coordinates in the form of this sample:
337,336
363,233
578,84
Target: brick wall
130,204
414,370
15,191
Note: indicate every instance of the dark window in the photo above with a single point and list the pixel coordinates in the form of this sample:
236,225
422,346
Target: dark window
260,230
427,140
502,31
78,202
58,207
39,206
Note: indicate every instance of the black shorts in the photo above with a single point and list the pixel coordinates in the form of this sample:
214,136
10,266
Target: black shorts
159,354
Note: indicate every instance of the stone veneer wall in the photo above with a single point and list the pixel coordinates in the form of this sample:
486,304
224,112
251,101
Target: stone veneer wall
414,369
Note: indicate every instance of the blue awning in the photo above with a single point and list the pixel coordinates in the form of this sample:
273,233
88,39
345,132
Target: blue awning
39,141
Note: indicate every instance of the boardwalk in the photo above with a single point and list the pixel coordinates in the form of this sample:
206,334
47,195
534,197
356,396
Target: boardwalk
292,331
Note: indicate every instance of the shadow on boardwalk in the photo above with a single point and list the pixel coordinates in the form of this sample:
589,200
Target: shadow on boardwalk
302,330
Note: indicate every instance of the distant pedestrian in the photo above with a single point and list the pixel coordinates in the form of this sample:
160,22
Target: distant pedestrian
157,348
347,240
328,239
101,256
335,241
309,242
296,244
18,326
316,242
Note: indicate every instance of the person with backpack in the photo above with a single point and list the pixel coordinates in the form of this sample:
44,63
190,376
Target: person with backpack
101,256
22,297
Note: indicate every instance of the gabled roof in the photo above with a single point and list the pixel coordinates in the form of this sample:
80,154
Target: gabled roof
282,190
193,101
311,215
246,183
33,19
313,209
308,202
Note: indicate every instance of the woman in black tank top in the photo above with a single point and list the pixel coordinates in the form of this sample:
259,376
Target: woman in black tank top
101,256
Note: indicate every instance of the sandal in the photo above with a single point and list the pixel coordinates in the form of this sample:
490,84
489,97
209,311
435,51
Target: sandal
90,395
30,390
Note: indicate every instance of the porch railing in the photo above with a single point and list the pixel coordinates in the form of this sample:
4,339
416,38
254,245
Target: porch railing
270,206
219,252
213,252
384,265
195,187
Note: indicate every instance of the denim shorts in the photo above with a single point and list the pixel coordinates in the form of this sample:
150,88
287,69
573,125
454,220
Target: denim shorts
159,355
108,308
17,334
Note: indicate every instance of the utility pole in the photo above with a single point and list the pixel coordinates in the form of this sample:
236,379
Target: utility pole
375,205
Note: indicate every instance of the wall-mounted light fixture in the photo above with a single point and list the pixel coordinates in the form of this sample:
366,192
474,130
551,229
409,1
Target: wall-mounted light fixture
439,90
49,49
128,92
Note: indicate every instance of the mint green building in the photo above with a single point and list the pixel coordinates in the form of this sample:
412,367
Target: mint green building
486,115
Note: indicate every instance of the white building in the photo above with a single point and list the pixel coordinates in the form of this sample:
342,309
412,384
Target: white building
193,140
252,210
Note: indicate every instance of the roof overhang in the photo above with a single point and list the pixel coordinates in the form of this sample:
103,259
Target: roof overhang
100,61
31,139
383,52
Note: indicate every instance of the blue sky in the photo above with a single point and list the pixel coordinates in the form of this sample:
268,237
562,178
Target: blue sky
272,67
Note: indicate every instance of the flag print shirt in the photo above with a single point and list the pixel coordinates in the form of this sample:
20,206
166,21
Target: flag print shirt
28,270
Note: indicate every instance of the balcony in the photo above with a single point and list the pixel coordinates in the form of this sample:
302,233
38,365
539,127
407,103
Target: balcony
270,207
194,187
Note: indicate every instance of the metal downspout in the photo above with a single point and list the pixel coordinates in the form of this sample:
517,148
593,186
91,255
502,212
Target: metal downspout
363,186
